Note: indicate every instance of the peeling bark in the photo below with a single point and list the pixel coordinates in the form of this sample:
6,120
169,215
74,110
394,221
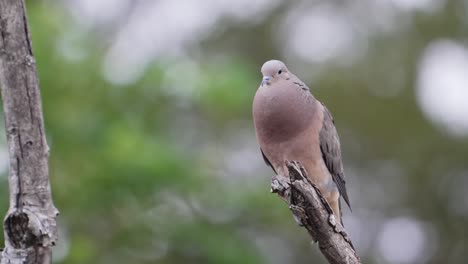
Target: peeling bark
312,211
30,224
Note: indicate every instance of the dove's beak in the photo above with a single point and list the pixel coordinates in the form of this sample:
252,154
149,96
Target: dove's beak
266,80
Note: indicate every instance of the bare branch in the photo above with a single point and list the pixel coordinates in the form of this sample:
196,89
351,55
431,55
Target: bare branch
30,224
312,211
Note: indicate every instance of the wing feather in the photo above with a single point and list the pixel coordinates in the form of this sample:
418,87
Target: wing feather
331,153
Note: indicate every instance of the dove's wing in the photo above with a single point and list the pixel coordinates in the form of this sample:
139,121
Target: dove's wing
331,153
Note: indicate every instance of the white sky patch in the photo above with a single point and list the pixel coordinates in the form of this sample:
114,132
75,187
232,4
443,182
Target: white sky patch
167,28
378,16
90,12
403,240
246,9
154,29
320,34
442,88
413,5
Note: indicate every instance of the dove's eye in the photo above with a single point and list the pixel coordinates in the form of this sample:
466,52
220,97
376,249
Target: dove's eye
280,71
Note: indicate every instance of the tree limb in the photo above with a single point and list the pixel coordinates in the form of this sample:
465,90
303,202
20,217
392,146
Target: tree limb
30,224
312,211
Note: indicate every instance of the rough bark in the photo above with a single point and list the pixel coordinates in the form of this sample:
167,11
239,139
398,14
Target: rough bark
30,224
312,211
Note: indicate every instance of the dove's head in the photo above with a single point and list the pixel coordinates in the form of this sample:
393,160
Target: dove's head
274,70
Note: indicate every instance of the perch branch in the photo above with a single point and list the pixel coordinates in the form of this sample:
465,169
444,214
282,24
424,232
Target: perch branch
312,211
30,224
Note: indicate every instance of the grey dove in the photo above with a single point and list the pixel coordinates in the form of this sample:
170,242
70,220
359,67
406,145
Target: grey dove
291,124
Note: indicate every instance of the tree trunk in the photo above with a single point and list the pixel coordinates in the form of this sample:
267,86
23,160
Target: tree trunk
30,224
312,211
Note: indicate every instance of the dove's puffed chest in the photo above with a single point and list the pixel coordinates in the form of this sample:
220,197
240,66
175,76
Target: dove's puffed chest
282,110
288,120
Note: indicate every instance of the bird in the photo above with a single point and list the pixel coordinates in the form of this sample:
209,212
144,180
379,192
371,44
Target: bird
292,125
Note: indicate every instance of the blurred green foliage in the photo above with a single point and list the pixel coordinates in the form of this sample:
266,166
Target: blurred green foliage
140,172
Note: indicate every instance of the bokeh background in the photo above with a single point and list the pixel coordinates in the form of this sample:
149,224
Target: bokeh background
147,106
